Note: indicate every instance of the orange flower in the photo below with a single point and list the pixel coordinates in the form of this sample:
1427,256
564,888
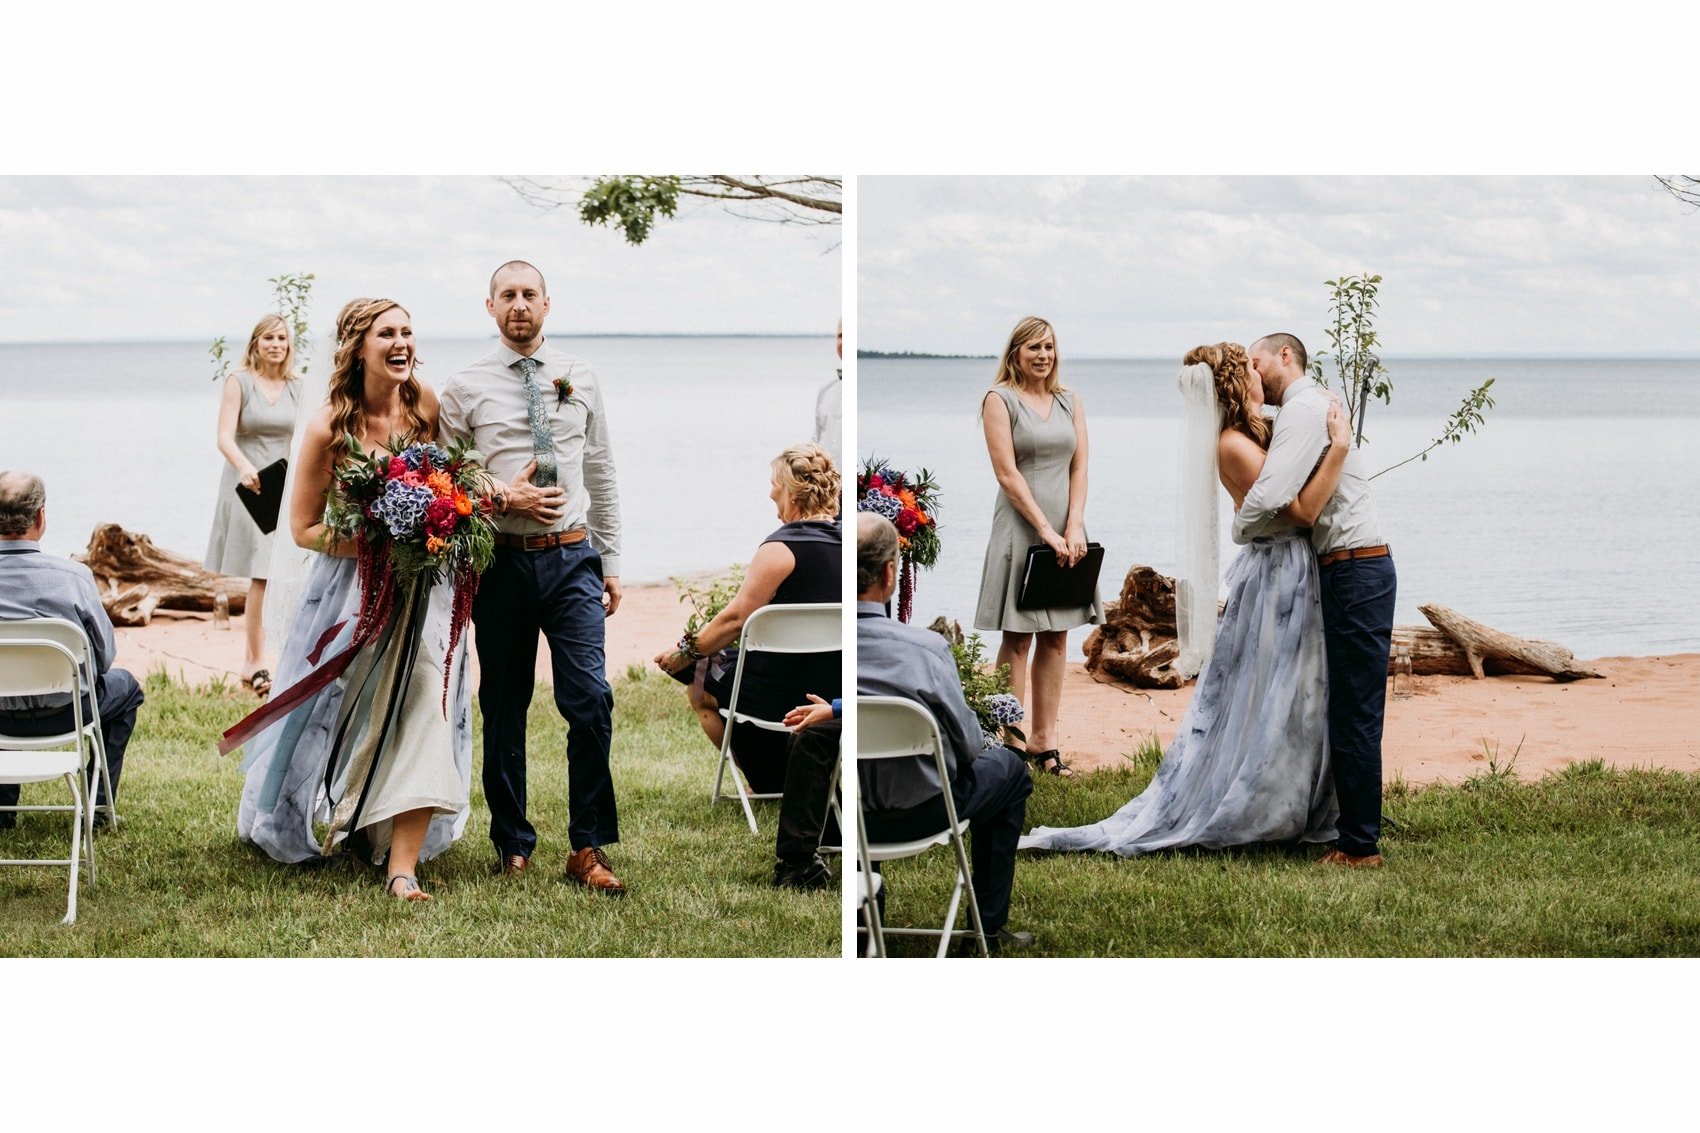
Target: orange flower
441,485
433,544
908,499
463,503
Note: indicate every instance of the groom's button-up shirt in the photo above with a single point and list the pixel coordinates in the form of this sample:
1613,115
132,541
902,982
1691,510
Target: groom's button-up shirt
894,659
37,585
486,403
1301,437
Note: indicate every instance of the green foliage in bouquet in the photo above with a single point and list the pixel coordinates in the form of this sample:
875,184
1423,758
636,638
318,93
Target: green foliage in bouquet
441,522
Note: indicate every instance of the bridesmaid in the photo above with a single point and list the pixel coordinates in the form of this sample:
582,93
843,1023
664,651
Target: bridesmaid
1036,436
256,421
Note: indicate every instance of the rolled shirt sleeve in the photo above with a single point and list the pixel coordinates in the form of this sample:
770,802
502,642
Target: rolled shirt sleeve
1300,437
601,484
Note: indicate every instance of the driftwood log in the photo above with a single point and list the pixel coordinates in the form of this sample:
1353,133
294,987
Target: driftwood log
1136,644
1487,650
137,578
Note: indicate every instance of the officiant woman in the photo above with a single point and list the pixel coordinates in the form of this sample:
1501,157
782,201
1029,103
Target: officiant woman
256,421
1036,436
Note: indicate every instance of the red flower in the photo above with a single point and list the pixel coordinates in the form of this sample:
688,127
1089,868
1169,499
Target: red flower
907,521
395,469
876,481
440,517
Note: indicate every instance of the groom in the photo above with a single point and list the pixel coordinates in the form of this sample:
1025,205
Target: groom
1358,585
536,416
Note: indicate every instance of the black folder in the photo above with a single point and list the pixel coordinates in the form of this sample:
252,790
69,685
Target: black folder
1047,586
264,505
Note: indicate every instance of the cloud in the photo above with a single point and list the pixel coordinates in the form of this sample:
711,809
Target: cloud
1151,265
140,258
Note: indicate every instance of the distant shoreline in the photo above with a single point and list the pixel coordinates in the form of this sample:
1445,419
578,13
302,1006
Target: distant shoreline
919,354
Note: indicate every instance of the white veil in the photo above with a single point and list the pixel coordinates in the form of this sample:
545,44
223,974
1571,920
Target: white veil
289,563
1197,575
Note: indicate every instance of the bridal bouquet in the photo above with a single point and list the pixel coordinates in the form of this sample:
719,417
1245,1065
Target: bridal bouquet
911,503
413,515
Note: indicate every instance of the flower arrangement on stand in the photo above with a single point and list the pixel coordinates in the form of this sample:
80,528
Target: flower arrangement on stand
911,503
987,693
414,516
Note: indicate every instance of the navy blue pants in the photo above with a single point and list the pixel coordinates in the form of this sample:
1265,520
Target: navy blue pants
557,591
991,793
119,697
1357,620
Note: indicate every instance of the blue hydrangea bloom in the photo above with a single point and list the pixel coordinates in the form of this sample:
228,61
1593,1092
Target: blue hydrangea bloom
880,504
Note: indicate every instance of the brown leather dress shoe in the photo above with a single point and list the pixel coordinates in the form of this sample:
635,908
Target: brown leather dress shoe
589,867
1351,861
511,863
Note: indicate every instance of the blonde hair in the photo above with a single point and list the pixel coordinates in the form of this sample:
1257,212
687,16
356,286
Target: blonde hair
348,378
251,360
1030,328
1231,370
809,478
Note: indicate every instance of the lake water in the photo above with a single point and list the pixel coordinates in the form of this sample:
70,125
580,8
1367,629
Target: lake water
125,433
1571,516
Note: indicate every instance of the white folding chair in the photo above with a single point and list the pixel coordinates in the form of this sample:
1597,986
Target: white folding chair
892,727
39,667
73,637
868,892
810,627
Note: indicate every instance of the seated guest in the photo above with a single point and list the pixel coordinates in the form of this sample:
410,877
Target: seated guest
815,729
798,563
37,585
901,799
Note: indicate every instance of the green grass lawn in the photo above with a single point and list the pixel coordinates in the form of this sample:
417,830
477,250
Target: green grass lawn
1585,862
175,881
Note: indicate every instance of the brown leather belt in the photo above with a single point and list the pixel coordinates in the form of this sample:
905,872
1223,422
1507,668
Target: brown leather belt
540,542
1377,552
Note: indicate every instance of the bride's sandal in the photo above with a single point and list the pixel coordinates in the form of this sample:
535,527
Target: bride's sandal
1050,763
409,890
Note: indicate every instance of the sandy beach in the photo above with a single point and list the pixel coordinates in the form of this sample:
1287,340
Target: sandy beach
1644,712
191,648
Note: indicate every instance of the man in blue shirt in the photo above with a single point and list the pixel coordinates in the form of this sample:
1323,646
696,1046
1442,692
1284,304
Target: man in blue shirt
902,799
37,585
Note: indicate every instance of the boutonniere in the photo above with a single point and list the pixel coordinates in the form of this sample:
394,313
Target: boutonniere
563,391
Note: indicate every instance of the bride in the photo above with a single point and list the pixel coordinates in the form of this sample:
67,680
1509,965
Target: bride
367,751
1250,761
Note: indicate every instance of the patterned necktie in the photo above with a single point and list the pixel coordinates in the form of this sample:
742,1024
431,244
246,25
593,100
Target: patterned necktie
542,440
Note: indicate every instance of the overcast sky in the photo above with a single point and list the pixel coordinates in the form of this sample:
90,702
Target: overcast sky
1149,266
132,258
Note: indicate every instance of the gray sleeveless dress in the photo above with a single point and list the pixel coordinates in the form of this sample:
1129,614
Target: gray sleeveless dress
1250,762
1043,450
263,432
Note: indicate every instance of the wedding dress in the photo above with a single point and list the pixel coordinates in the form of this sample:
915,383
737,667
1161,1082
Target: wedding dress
1250,761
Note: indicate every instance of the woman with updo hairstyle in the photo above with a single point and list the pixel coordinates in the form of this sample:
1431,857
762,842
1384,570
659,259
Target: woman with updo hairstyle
1035,431
798,563
379,752
1249,762
256,422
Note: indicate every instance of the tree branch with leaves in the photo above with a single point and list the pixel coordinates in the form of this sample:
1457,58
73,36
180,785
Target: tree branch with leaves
1352,339
632,203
